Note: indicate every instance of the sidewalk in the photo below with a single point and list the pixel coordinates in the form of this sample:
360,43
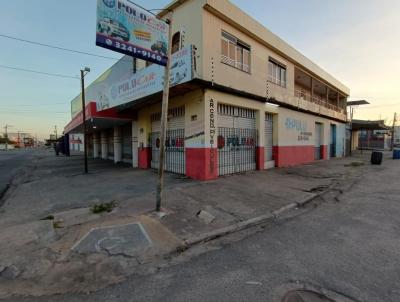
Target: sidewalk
56,187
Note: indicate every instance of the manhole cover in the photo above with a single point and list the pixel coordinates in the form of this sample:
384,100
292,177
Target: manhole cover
305,296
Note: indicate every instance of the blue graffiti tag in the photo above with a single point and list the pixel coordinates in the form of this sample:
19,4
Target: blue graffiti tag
293,124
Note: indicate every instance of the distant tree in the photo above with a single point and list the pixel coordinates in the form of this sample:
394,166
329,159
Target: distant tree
3,140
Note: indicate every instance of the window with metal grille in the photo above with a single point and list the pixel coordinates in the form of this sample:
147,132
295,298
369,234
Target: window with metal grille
235,52
236,111
276,73
172,112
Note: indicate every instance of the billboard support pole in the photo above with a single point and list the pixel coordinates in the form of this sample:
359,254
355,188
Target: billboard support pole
84,119
164,120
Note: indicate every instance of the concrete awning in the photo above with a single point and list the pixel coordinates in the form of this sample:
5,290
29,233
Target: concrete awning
369,125
97,119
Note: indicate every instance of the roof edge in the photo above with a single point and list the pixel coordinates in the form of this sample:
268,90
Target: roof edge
224,9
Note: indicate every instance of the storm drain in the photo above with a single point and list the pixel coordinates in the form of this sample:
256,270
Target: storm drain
305,296
125,240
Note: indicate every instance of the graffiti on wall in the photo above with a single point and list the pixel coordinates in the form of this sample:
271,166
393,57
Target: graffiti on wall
299,126
235,142
212,135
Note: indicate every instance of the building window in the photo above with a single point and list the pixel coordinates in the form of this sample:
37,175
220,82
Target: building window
176,42
234,52
276,73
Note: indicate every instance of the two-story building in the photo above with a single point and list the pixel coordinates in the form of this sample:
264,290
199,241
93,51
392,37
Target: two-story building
242,99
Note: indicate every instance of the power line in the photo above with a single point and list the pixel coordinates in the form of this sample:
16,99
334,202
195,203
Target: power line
33,111
34,105
57,47
39,72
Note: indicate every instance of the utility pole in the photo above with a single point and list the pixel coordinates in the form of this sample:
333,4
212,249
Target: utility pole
164,116
351,129
394,124
86,69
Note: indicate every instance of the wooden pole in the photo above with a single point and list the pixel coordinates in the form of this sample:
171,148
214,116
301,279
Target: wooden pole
84,122
394,124
351,130
164,120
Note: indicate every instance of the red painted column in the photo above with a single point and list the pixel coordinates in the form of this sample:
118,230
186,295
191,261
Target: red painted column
144,157
201,163
260,158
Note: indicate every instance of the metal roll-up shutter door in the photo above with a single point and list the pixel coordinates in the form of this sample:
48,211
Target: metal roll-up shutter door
318,140
268,132
174,144
127,143
237,139
110,139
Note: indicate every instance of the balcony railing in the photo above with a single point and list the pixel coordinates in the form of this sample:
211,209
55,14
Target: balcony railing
313,99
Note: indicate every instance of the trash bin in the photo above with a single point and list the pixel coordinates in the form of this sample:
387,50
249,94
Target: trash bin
396,153
376,158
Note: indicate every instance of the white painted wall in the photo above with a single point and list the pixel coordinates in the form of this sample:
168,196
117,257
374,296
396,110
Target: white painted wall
76,142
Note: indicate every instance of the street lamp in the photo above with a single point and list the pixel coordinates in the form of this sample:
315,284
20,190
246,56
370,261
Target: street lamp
84,72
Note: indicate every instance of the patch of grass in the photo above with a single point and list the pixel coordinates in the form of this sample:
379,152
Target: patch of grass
103,207
355,164
50,217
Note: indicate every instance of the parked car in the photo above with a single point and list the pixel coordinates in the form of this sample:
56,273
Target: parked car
160,47
178,76
113,29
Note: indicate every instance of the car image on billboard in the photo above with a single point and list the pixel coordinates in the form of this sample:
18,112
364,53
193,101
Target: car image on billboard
124,27
113,29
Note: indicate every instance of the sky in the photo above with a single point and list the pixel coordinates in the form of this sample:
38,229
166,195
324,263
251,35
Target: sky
357,41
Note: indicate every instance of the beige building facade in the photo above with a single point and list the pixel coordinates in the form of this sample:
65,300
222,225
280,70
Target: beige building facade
252,101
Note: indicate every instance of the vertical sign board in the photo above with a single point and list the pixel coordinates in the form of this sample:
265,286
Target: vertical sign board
126,28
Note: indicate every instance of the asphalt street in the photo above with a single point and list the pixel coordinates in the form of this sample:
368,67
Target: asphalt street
348,245
10,162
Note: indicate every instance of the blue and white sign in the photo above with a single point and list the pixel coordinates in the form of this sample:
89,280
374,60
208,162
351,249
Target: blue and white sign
126,28
118,85
149,80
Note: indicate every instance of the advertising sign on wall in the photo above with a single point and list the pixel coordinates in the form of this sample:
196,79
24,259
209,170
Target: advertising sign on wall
76,105
126,28
150,80
118,85
96,91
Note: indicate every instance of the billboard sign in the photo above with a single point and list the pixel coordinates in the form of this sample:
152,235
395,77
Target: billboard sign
126,28
149,80
118,85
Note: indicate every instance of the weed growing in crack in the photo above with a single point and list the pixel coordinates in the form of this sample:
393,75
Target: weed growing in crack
103,207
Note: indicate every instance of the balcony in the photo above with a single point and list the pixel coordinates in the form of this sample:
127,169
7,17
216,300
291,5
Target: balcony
320,102
314,95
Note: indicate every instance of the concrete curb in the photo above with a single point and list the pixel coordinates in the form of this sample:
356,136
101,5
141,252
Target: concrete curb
247,223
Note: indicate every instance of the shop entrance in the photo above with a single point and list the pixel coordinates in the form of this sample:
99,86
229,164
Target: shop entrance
237,139
318,141
332,144
174,142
